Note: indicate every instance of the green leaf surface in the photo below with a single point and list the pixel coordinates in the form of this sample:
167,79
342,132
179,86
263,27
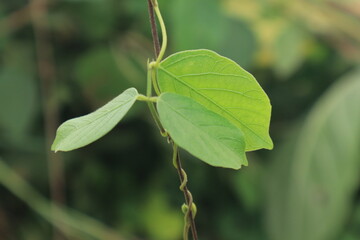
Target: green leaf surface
222,86
201,132
315,176
81,131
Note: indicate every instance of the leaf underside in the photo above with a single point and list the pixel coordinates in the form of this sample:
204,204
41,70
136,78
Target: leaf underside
201,132
81,131
223,87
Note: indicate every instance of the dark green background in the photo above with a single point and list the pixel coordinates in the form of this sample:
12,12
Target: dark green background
297,50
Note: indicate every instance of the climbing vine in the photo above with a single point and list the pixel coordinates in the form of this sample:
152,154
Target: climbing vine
204,103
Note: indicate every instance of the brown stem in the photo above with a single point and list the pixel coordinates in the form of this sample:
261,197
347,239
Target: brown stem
187,195
154,31
180,170
47,77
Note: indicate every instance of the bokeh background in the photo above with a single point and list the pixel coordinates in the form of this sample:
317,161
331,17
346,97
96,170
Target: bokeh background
62,59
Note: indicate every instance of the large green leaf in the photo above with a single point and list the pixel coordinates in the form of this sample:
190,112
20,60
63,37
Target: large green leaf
202,132
222,86
315,177
81,131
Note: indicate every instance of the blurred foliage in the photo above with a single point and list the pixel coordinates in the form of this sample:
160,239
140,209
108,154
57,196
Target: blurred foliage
321,166
303,52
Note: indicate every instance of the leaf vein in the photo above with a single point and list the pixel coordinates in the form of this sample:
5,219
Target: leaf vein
212,101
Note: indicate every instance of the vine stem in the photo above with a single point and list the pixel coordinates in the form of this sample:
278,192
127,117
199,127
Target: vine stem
190,211
154,32
159,53
151,104
163,33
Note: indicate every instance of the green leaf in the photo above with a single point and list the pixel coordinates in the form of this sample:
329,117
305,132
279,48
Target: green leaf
81,131
222,86
201,132
315,177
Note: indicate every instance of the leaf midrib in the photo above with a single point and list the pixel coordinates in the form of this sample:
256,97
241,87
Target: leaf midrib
97,119
216,104
104,114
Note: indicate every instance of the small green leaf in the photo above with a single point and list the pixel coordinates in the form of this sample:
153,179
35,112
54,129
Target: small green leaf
81,131
201,132
223,87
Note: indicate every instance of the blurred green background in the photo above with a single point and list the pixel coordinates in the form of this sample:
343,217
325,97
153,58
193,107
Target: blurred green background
62,59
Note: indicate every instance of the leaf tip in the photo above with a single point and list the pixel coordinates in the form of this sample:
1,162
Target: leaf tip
237,167
57,149
54,148
271,145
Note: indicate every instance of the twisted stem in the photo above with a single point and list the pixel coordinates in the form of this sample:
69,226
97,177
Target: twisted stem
190,209
150,103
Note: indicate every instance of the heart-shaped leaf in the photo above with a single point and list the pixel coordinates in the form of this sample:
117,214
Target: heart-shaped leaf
81,131
222,86
201,132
